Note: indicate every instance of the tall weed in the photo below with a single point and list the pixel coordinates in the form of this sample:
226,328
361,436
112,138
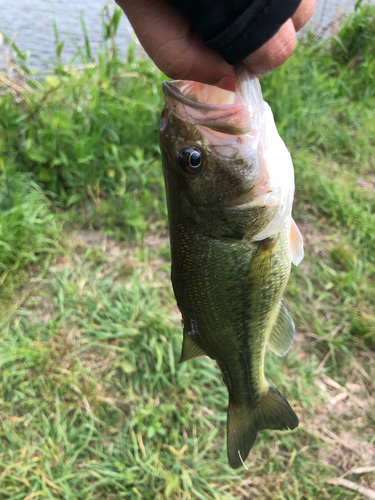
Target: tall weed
28,226
90,135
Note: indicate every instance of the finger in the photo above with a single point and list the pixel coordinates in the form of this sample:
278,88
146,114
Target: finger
275,52
167,37
303,13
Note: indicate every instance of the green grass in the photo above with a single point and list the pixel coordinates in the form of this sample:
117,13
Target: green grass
82,136
93,402
28,226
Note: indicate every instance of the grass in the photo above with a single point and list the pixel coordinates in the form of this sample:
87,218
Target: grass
25,209
93,402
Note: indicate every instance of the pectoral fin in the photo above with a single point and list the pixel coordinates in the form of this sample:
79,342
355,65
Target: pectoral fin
283,331
190,349
296,244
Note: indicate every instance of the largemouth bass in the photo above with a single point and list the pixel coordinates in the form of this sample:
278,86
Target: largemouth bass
230,185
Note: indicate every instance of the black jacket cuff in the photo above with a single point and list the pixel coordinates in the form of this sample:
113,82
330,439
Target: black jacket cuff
248,32
236,28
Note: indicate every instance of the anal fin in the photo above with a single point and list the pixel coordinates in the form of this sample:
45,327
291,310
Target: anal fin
190,349
283,331
271,411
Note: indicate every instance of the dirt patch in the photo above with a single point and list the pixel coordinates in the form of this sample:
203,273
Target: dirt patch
104,243
156,240
92,238
114,250
368,184
43,307
341,421
317,239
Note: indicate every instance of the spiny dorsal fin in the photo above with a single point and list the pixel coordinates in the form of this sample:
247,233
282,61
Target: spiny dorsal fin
190,349
271,411
296,244
283,331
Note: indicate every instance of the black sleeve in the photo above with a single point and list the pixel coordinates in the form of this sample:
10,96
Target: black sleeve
236,28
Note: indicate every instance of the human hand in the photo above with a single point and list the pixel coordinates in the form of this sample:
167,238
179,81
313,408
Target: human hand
167,37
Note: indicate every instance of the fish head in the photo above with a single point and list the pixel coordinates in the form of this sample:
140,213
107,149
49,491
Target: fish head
221,150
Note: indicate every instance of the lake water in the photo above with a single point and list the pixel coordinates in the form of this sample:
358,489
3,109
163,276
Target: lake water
32,22
329,14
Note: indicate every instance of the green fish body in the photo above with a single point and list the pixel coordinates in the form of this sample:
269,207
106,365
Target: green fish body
232,237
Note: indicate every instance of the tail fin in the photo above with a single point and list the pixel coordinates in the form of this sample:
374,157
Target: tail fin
272,411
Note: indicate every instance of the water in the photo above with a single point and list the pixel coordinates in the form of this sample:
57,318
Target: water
328,15
32,20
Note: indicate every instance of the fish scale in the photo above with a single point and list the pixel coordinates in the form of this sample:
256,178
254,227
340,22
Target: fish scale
220,324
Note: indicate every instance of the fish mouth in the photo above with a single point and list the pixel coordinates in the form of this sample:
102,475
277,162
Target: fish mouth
233,113
199,95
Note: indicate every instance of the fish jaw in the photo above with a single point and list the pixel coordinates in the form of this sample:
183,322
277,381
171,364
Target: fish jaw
233,113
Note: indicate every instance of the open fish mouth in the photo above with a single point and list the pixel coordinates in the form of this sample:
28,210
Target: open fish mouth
198,95
233,113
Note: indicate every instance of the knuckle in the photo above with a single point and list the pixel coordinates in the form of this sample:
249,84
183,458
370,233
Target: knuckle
275,52
177,69
303,14
287,48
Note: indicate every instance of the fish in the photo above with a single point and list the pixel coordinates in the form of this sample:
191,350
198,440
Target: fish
229,183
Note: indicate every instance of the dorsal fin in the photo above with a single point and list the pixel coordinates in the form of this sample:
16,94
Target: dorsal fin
283,331
296,244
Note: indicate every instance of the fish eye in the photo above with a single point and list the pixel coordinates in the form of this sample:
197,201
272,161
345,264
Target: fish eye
190,160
